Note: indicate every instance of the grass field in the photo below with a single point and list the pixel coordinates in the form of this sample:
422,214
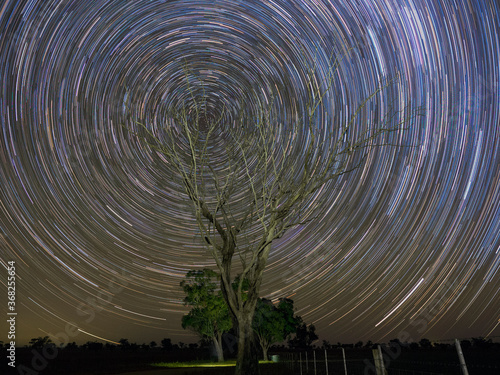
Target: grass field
231,363
222,368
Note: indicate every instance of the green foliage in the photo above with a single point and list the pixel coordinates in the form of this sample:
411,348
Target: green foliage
245,286
209,316
274,323
304,336
199,286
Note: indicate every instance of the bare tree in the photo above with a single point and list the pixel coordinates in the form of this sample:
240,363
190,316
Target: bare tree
249,179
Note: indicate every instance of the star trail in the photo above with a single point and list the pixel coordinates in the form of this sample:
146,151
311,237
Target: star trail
102,234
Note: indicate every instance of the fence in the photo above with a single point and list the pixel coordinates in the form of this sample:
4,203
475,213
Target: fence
322,362
396,361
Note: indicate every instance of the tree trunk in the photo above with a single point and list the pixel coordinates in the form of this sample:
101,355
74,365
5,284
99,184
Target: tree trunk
264,351
246,362
218,348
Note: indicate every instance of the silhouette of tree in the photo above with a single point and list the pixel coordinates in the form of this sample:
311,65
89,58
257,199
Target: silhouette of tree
125,344
425,343
40,342
465,344
71,346
481,343
93,345
166,344
326,345
110,346
304,337
414,346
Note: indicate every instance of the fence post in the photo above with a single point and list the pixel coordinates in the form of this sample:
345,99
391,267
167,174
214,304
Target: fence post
307,364
463,366
382,366
314,356
343,356
300,362
379,361
326,362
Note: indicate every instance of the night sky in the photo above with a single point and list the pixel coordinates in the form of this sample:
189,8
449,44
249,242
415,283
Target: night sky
408,245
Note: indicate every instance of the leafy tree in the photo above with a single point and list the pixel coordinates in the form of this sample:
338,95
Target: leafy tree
209,316
304,337
153,344
274,323
246,189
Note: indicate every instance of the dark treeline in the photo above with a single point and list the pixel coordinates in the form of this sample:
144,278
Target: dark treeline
305,340
44,357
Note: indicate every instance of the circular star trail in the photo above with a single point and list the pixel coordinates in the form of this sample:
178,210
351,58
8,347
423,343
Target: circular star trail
102,234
